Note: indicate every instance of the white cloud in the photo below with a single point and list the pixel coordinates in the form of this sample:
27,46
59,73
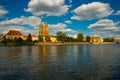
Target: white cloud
105,26
68,30
68,22
48,7
3,11
118,13
31,25
54,28
92,11
24,24
31,20
70,1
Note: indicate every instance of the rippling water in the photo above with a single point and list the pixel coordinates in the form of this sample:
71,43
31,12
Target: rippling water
70,62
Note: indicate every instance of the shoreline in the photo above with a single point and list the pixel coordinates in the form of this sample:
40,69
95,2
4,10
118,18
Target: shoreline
62,43
68,43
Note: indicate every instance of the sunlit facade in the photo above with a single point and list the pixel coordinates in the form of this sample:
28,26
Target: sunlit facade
12,34
96,40
44,32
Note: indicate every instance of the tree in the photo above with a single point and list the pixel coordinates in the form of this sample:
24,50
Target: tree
61,36
80,37
18,40
29,39
88,38
5,41
70,39
47,39
108,39
40,38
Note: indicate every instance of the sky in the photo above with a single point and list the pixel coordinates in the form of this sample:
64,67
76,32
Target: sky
90,17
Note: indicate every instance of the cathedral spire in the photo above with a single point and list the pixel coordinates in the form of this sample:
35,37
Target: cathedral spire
41,28
46,27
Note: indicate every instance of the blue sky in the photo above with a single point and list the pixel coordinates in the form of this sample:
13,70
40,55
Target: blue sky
91,17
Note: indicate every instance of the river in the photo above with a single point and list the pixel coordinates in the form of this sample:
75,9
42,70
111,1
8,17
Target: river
61,62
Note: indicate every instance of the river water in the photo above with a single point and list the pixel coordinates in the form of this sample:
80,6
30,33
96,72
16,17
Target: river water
63,62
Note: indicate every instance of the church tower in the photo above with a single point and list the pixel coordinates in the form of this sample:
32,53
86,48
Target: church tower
41,29
45,28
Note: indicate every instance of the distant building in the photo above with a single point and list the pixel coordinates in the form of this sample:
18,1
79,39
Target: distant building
96,40
25,37
2,37
12,34
44,32
117,40
34,37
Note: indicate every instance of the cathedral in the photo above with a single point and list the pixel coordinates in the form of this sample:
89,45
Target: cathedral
44,32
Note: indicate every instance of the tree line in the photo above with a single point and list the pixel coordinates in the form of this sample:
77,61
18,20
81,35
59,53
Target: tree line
61,37
18,41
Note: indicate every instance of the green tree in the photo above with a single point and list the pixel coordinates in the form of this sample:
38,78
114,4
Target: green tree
88,38
80,37
18,40
29,39
40,38
5,41
62,36
47,39
108,39
70,39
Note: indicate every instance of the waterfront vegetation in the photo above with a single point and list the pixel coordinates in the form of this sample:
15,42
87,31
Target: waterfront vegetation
61,37
19,41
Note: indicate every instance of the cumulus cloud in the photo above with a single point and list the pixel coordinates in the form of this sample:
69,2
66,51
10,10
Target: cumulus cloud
70,1
118,13
92,11
31,25
31,20
2,11
104,26
47,7
68,22
24,24
54,28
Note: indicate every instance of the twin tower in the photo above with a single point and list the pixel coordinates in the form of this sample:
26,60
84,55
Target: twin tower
43,29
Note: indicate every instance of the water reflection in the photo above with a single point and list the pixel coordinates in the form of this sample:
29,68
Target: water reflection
68,62
43,54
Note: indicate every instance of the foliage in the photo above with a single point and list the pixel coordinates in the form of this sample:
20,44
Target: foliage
29,39
80,37
70,39
5,41
88,38
62,36
40,38
108,39
17,42
47,39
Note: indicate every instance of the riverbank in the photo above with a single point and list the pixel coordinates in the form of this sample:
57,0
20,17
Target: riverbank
57,43
67,43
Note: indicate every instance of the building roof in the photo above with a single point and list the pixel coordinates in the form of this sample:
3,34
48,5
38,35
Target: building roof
33,35
1,35
14,32
25,37
49,35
